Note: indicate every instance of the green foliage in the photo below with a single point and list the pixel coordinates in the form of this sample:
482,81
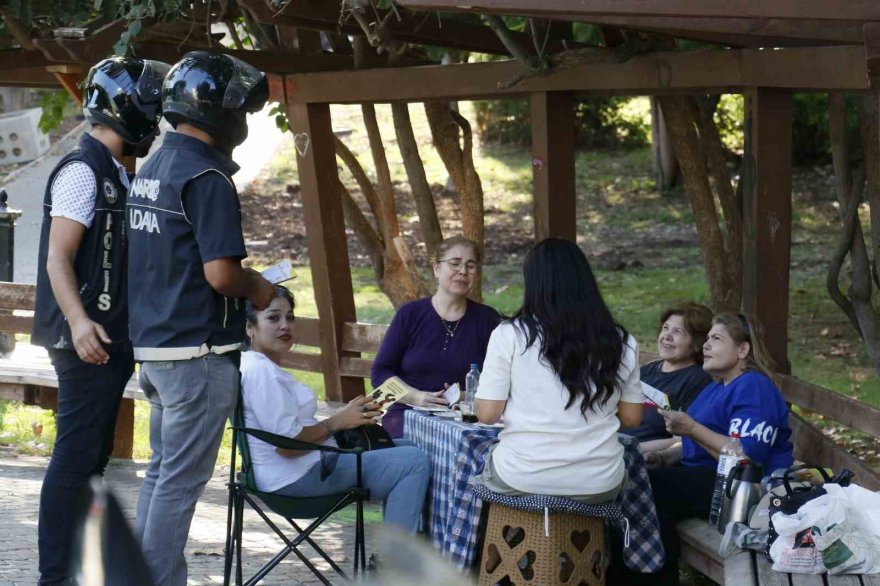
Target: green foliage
53,103
599,122
729,119
811,142
280,117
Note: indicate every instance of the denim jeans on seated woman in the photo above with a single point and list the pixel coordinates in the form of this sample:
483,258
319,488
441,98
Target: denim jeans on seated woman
398,475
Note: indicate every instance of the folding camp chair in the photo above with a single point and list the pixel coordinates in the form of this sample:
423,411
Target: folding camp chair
243,488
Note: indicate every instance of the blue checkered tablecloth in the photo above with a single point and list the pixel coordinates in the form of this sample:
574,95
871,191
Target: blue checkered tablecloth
457,452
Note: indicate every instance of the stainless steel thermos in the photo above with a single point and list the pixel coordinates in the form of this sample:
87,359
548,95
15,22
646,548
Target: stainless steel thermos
742,491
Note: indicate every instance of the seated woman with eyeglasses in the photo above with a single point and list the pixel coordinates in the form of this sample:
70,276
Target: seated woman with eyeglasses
742,400
432,342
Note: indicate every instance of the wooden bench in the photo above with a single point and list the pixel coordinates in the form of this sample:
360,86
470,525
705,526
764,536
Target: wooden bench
747,568
700,541
33,380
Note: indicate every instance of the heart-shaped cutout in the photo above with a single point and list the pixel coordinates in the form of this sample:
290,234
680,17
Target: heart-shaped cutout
525,565
512,536
301,143
566,568
580,539
493,558
597,565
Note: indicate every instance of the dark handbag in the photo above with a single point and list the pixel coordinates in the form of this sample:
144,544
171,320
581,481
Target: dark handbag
794,497
366,437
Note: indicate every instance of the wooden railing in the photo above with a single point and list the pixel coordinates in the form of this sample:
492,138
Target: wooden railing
811,444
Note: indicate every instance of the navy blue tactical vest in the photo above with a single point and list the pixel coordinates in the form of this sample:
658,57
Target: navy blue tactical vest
100,263
177,314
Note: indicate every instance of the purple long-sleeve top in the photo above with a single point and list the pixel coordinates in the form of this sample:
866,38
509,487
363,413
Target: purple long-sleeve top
413,349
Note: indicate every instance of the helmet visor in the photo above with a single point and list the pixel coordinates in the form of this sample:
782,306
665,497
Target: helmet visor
248,89
149,84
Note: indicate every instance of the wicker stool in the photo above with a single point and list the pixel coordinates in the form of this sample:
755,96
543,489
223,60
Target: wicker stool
516,547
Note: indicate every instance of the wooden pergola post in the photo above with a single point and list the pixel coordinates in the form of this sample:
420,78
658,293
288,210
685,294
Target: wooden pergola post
553,175
328,247
767,217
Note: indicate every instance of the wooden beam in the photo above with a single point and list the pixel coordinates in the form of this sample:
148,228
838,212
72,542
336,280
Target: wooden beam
36,77
828,403
409,28
328,245
720,71
19,58
17,296
123,437
813,447
553,178
70,82
743,32
788,9
767,215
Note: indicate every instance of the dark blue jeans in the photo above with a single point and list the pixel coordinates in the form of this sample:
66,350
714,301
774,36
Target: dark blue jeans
88,399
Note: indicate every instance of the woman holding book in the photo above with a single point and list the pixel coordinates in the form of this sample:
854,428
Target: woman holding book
432,342
275,401
565,376
678,374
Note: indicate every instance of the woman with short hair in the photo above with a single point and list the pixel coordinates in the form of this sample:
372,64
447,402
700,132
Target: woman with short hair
432,342
678,374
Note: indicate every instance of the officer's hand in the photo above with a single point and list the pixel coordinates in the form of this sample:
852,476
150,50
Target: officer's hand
262,292
87,337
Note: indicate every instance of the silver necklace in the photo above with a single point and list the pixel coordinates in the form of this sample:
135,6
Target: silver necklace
450,331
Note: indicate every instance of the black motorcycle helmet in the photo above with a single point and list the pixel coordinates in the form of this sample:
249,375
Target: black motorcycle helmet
214,92
125,94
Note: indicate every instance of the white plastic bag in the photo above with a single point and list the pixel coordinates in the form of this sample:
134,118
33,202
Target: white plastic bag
851,546
794,551
838,531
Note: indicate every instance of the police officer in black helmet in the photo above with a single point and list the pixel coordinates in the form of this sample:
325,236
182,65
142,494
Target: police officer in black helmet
81,312
188,291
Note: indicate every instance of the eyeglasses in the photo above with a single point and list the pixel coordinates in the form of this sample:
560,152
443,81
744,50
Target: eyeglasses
456,263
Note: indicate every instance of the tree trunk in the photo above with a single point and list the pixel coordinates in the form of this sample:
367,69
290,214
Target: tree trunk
457,155
397,282
725,281
856,303
418,183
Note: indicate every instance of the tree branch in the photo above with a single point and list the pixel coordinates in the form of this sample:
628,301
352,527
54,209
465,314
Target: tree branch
360,176
365,232
18,30
848,208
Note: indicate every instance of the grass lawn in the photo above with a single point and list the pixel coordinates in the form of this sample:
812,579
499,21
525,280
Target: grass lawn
640,241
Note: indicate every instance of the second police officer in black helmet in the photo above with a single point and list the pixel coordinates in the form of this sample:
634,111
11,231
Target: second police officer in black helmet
81,312
189,288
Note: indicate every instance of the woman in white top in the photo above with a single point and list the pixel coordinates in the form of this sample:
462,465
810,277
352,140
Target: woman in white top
275,401
565,376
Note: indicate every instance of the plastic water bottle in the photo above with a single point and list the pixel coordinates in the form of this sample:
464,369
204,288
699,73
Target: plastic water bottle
731,454
471,383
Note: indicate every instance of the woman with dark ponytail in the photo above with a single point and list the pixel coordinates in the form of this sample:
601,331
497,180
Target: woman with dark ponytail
565,376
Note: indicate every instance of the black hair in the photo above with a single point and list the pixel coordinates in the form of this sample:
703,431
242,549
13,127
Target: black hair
250,312
563,310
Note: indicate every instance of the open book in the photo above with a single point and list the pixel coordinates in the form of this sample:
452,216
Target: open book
390,391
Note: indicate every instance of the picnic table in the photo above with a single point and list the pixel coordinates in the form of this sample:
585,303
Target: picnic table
457,451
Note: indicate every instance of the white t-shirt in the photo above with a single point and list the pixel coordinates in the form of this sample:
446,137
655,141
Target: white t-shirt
275,401
545,448
73,192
